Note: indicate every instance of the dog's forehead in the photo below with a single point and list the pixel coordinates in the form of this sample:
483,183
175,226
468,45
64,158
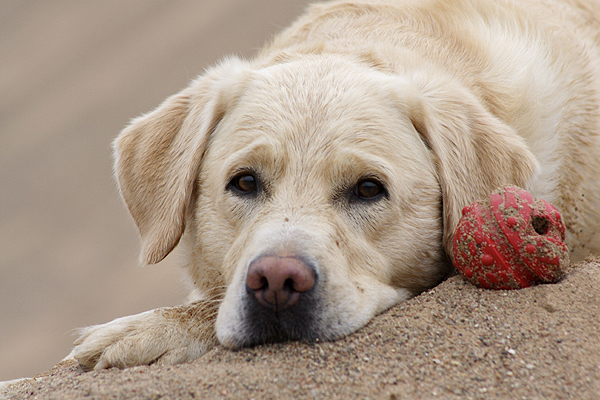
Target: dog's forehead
309,118
309,104
317,88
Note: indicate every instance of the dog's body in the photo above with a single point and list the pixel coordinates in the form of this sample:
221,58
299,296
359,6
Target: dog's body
320,183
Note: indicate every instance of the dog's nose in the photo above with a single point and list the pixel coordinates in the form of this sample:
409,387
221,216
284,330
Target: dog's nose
277,282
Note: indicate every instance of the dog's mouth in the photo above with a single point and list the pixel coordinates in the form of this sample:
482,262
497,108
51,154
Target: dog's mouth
270,325
281,300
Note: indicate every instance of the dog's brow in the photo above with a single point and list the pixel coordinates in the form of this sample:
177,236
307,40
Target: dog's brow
366,164
256,154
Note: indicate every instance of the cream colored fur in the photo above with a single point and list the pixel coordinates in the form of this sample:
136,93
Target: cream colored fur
441,101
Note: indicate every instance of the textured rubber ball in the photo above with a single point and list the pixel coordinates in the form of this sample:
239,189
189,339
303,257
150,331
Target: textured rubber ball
510,241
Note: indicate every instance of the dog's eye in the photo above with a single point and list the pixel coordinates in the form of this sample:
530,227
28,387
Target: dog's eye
369,189
244,183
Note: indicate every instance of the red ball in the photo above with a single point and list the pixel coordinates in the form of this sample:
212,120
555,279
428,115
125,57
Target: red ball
510,241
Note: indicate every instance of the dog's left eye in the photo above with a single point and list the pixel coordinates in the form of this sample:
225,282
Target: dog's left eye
244,183
369,189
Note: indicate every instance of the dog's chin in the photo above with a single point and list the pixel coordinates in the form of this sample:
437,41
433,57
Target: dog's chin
260,325
310,321
264,325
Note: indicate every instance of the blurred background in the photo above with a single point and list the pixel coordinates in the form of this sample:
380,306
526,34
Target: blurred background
72,74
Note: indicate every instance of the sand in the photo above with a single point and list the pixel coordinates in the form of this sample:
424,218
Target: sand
455,341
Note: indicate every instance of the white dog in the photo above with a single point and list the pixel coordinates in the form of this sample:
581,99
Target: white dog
321,182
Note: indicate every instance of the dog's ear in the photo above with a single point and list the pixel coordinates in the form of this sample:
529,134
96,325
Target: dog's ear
474,152
158,156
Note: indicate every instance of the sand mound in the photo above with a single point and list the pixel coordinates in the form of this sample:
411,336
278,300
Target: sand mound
453,342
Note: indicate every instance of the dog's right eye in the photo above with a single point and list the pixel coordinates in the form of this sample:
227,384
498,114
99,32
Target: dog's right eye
369,189
244,183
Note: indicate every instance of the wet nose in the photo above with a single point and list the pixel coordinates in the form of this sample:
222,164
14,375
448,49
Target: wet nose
278,282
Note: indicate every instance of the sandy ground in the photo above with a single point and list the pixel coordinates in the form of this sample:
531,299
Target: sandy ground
453,342
72,73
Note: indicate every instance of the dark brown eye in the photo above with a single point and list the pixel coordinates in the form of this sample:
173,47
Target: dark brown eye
244,183
369,189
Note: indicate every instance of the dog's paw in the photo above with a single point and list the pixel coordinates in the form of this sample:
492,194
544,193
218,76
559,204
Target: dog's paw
162,336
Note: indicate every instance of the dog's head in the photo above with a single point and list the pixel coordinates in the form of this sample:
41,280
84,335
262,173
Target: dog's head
317,191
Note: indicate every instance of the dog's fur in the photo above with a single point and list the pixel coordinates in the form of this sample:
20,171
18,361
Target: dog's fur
438,101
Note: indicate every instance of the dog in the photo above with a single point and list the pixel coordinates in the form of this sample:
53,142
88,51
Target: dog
320,183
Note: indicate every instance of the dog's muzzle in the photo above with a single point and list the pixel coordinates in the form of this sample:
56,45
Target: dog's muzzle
282,300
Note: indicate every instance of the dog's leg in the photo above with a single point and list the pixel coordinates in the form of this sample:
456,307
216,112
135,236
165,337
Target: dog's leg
169,335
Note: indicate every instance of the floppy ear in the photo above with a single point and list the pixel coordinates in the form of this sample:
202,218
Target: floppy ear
158,156
474,151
